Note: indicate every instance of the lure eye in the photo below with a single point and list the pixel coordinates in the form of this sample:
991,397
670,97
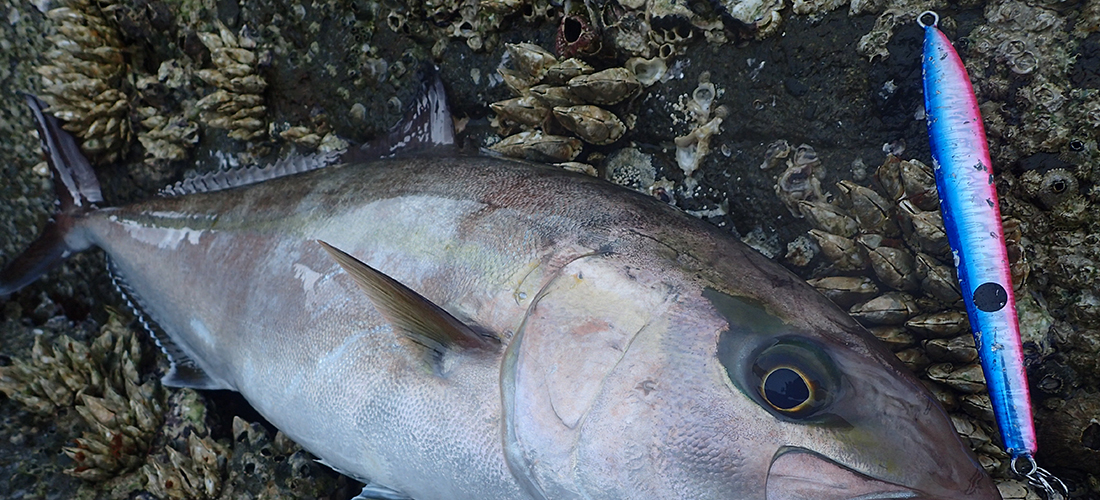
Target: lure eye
786,389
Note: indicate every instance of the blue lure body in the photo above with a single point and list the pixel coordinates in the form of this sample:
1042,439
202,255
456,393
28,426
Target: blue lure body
968,200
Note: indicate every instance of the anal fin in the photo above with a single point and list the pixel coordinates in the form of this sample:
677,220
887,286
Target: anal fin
182,371
373,491
409,312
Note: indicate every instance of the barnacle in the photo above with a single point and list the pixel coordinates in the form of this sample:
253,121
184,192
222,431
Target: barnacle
538,146
576,35
165,137
647,71
592,124
237,104
706,120
103,383
276,465
83,79
1057,186
553,95
195,473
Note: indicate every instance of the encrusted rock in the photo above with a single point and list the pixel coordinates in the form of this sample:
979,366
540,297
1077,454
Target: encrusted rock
237,104
82,83
195,473
103,383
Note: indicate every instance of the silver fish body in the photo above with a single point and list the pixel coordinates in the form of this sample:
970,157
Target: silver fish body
631,340
467,327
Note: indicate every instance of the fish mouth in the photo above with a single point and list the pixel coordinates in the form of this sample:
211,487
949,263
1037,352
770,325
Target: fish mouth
800,474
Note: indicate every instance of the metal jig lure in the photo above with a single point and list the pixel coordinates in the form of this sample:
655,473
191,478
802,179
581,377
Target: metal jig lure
972,217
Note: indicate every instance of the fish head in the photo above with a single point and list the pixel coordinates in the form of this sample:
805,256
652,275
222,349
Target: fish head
742,392
854,423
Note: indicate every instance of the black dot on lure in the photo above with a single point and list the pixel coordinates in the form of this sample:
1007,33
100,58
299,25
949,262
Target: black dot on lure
990,297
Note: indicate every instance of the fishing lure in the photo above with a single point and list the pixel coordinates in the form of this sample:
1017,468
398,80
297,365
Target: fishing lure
972,217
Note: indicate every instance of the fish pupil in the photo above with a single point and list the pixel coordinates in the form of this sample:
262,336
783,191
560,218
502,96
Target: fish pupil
785,389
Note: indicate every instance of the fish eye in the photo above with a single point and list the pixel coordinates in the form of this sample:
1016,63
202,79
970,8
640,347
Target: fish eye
785,372
786,389
793,378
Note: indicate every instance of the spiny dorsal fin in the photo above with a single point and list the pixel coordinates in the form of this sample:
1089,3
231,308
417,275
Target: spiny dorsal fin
417,317
426,125
243,176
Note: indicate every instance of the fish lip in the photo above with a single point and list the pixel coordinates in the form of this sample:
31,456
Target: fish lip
793,485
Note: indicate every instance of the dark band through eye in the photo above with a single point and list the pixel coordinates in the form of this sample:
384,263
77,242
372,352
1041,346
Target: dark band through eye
785,389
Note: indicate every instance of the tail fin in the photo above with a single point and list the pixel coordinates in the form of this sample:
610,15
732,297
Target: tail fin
77,193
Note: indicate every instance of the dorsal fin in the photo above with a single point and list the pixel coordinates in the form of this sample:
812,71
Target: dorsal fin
426,125
243,176
409,312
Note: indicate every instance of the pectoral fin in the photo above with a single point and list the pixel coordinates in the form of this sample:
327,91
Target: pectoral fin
409,312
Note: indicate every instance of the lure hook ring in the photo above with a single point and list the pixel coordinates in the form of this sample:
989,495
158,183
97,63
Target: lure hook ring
935,19
1040,478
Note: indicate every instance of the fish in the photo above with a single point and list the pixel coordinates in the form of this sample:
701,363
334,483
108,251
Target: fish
441,326
972,219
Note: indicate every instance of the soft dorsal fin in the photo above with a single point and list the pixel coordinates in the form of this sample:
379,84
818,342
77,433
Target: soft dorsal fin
243,176
417,317
426,125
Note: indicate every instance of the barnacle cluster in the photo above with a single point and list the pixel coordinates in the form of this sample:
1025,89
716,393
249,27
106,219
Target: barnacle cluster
873,44
276,465
103,382
195,473
319,137
82,82
634,28
801,179
887,261
171,137
191,464
1059,219
762,16
556,97
474,21
1023,57
237,104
